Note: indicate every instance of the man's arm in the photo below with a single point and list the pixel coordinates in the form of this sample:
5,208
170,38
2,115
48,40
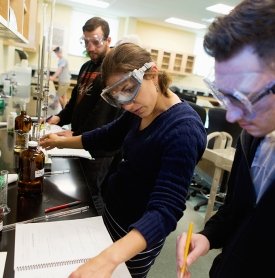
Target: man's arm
56,74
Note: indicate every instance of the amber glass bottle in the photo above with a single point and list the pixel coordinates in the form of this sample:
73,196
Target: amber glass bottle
23,124
31,170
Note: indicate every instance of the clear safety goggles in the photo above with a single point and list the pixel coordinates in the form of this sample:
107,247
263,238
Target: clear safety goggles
238,99
95,40
126,89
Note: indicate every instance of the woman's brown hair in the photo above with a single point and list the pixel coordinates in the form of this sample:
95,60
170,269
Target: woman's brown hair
127,57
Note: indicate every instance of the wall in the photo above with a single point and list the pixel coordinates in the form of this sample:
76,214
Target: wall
2,69
61,12
151,36
7,57
163,37
192,82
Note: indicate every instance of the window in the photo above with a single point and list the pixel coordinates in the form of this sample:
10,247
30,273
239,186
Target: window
78,20
203,62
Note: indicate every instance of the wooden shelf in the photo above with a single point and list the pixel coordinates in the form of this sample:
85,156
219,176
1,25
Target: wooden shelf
18,22
172,62
9,34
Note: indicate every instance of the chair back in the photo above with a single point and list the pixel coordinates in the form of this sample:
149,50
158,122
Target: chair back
222,140
217,122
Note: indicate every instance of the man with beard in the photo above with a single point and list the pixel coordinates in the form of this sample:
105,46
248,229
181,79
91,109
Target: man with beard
86,110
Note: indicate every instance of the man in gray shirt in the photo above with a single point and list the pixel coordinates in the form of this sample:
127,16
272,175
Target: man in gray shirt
63,75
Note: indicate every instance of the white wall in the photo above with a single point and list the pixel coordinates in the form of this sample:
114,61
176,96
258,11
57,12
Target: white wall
2,64
161,37
150,34
203,62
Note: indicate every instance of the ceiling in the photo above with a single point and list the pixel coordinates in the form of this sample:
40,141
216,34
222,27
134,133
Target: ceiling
156,11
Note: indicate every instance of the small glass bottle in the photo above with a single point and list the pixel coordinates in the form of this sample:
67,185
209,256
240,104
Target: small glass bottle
23,124
31,170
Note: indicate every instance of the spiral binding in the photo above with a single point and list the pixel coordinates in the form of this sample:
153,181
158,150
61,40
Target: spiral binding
53,264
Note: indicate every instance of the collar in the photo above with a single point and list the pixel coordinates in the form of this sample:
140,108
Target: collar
271,136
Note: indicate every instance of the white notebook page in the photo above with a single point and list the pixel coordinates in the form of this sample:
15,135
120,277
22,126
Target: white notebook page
50,242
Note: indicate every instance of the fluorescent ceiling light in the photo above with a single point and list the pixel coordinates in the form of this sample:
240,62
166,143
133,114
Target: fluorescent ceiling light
185,23
96,3
220,8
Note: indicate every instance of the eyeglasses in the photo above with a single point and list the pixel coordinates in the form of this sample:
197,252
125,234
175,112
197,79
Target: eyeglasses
126,89
238,99
95,40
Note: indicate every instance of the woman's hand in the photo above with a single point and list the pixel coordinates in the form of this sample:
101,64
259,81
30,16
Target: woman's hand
199,247
65,133
51,141
97,267
60,141
103,265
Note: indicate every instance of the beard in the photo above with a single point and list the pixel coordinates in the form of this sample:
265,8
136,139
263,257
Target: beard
97,57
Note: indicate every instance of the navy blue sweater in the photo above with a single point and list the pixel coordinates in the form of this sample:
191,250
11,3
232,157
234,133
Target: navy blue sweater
148,191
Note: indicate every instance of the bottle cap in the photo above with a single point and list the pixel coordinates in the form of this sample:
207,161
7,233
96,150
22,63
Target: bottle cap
33,144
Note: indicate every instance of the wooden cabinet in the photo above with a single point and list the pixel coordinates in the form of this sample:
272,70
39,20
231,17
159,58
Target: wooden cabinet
18,21
172,62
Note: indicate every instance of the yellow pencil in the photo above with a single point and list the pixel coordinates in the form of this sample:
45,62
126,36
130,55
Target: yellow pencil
186,248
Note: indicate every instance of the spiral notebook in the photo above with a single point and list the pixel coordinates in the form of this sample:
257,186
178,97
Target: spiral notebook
56,249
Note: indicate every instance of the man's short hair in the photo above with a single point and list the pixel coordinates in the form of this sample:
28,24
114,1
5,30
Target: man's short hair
251,23
57,49
95,22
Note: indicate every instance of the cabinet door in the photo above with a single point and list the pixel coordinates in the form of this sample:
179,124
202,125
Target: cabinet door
16,15
30,26
178,62
166,59
189,65
11,22
4,9
162,59
173,62
156,55
18,21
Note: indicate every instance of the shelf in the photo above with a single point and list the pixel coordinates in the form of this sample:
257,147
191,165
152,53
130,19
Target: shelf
4,9
18,23
9,34
172,62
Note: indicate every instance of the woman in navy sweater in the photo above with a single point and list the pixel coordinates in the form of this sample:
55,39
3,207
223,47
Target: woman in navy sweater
162,139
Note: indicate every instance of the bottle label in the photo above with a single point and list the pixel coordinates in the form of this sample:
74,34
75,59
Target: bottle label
39,173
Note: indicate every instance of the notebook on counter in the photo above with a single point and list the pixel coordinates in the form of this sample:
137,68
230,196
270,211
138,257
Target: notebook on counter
65,152
56,249
55,152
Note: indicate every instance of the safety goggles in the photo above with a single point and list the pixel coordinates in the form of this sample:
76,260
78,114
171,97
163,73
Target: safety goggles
95,40
238,99
126,89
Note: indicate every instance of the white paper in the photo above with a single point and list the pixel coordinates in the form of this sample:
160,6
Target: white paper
3,124
69,153
53,128
60,241
12,178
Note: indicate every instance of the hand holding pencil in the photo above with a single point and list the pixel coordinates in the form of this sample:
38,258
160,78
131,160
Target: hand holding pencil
193,246
183,267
